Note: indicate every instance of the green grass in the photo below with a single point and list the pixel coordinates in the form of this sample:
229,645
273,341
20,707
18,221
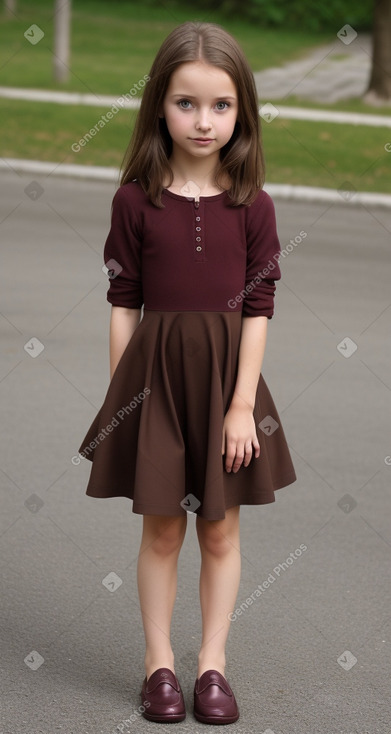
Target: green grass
297,152
113,44
46,131
327,155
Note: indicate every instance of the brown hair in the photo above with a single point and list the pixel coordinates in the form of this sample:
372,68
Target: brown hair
241,159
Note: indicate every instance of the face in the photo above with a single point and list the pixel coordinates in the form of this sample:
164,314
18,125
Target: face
200,107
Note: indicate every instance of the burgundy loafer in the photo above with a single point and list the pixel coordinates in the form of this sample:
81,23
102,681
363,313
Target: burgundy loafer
214,701
162,697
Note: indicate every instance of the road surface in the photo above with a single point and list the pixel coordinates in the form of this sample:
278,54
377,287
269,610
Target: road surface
311,653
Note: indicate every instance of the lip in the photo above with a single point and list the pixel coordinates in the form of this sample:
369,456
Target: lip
202,141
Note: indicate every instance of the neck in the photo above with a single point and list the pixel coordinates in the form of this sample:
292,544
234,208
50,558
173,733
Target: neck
189,168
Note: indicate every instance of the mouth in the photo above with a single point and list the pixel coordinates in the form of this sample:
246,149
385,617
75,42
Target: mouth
203,142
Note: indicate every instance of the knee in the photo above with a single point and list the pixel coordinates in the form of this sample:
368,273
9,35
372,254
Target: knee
214,542
221,537
167,535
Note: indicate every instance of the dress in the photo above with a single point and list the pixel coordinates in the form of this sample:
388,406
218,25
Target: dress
197,268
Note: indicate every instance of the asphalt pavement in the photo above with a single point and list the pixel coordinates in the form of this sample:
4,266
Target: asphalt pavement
310,653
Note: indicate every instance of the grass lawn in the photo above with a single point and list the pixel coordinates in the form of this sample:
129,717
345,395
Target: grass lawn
297,152
327,155
114,43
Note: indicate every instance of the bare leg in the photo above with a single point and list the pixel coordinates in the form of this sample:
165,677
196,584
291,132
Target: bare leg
219,583
157,583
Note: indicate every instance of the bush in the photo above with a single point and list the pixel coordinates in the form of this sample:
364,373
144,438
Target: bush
305,14
331,15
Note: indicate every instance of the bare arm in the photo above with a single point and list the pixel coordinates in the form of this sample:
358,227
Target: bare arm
239,432
123,322
251,353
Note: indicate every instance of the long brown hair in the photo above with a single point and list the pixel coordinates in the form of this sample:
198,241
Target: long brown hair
150,147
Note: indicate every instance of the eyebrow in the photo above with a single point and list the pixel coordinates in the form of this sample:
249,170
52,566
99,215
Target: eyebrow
190,96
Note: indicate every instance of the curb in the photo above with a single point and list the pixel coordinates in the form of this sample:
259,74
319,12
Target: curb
287,192
314,194
284,112
336,117
71,170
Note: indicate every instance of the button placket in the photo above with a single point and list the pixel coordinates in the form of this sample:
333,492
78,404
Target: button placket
199,237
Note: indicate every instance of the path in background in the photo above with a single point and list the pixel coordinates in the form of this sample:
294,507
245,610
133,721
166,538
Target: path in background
330,73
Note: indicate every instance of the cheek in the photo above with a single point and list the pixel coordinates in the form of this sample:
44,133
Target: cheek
176,121
228,124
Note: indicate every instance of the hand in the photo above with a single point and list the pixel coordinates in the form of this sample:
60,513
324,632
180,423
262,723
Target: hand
239,437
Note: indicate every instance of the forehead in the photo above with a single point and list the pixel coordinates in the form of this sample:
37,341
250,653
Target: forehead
198,78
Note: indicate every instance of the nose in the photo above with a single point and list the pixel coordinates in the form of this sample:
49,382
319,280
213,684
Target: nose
203,120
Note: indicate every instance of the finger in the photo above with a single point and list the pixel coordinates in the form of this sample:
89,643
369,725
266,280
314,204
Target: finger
248,453
257,446
230,455
223,443
239,456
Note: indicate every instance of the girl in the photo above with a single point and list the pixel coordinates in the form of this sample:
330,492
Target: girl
188,423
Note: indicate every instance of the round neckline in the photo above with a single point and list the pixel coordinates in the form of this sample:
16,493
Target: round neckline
192,198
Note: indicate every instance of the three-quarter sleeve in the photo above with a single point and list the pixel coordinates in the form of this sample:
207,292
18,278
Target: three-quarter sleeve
122,254
263,249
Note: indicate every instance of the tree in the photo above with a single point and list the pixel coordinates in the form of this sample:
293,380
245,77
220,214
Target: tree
62,27
379,88
10,7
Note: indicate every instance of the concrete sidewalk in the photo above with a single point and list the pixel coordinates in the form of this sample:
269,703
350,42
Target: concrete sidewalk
311,654
337,71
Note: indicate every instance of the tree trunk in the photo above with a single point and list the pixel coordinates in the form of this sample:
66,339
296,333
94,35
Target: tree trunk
62,26
9,8
380,82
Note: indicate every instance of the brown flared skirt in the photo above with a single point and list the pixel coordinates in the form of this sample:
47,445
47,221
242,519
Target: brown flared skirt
157,437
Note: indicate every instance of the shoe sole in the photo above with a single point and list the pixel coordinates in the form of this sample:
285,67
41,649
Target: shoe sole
164,719
215,719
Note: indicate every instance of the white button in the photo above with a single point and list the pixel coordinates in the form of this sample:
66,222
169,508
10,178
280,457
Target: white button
198,239
198,219
198,248
198,229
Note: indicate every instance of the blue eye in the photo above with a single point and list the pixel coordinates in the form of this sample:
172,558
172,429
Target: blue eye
184,101
223,108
